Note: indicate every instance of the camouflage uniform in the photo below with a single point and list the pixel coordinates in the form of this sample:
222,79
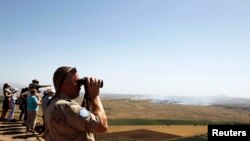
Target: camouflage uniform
66,120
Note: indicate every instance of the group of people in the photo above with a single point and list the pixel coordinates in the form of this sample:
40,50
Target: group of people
64,118
28,101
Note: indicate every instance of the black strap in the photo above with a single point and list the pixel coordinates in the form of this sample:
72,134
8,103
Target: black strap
60,85
86,99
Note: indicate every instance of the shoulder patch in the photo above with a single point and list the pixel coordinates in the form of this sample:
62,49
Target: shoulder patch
84,113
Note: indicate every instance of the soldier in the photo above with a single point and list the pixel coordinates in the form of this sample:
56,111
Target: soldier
65,119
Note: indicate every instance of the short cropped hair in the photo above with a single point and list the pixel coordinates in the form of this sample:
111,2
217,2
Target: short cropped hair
59,74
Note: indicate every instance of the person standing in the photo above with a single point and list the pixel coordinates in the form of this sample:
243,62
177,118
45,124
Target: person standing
32,108
65,119
33,85
12,104
6,102
48,94
23,104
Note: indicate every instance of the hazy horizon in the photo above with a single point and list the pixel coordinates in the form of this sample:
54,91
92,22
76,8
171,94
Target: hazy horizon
139,95
160,47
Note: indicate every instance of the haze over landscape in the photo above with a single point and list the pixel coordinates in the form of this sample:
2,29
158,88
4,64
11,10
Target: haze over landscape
160,47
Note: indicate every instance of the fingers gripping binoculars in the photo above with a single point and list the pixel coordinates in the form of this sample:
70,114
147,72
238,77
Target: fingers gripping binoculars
86,99
83,81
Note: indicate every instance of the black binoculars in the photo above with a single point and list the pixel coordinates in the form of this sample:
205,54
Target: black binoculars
83,81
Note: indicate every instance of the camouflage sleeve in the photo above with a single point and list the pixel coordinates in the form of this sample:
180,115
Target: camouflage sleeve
80,118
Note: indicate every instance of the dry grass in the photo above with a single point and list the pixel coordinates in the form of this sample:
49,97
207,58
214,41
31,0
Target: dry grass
144,109
180,130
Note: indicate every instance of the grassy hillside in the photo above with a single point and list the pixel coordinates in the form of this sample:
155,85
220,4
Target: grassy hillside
143,112
164,113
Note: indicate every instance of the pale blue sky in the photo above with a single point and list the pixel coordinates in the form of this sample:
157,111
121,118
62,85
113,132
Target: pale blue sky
167,47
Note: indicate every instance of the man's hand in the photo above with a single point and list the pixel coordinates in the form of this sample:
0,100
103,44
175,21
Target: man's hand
92,87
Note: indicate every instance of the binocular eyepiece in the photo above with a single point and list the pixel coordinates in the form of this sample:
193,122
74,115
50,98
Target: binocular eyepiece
83,81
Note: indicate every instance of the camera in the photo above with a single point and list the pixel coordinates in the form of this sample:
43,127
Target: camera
14,90
83,81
